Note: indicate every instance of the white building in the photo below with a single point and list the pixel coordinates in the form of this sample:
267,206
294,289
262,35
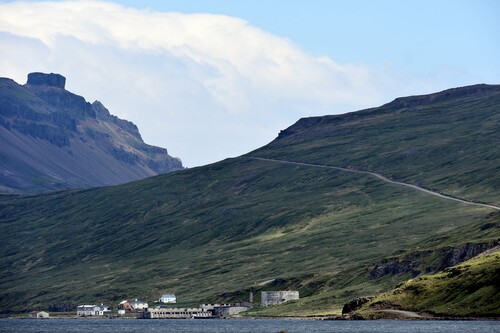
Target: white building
138,305
39,314
278,297
168,298
92,310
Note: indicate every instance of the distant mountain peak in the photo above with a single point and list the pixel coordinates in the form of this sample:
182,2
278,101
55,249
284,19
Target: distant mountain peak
54,139
42,79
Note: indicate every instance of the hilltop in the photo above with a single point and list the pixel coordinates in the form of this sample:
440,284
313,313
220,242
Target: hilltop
53,139
213,233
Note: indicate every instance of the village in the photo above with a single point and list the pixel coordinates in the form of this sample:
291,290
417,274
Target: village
164,308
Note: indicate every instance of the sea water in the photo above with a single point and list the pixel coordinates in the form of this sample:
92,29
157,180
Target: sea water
244,326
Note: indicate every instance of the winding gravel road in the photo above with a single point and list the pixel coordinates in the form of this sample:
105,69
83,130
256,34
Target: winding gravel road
415,187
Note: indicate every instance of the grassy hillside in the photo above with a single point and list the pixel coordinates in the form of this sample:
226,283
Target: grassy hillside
471,289
215,232
446,141
431,255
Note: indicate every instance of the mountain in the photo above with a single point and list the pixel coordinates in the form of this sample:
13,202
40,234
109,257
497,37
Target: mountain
53,139
336,207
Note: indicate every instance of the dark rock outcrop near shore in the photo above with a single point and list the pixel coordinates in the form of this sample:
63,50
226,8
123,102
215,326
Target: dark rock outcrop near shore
355,304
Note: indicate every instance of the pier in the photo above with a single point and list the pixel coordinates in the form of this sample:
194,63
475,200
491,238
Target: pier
174,313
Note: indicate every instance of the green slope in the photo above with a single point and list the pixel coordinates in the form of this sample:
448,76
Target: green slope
431,255
209,232
470,289
446,141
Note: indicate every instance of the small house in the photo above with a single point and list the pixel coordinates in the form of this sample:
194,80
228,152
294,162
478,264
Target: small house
168,298
137,305
92,310
39,314
124,305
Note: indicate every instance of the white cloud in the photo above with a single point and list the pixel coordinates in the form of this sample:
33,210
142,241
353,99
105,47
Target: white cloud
204,86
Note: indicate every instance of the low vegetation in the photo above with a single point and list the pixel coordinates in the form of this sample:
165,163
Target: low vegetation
216,232
470,289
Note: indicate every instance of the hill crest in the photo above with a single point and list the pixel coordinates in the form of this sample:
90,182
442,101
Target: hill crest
406,104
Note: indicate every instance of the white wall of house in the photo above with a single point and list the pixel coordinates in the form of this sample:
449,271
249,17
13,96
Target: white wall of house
168,298
92,310
138,305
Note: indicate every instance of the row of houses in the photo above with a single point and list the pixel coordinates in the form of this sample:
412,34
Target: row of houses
203,311
124,306
143,310
268,298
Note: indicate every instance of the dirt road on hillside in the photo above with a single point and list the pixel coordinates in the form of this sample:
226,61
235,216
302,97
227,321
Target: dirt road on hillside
385,179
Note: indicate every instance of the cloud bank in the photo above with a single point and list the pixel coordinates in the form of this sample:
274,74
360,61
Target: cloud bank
204,86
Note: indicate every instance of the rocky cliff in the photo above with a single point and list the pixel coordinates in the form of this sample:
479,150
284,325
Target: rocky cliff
54,139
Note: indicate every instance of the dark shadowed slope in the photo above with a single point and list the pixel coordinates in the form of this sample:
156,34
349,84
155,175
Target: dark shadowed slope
53,139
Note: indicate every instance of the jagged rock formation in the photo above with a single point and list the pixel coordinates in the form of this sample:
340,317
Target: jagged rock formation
54,139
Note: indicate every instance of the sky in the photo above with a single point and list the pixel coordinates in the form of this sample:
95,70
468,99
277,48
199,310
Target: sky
212,79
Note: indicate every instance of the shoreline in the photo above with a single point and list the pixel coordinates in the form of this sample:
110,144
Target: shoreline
291,318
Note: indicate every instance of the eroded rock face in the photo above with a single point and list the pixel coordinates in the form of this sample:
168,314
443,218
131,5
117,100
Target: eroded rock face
455,255
418,262
51,80
102,113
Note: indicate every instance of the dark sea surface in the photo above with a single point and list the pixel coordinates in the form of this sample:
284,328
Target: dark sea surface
245,326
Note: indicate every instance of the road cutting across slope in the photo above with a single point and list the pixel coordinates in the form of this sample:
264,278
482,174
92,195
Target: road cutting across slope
385,179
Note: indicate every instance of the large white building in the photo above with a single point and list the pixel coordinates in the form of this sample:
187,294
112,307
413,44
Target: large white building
278,297
92,310
168,298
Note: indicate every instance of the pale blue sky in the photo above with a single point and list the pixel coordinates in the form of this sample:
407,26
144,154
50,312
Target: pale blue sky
419,35
208,87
